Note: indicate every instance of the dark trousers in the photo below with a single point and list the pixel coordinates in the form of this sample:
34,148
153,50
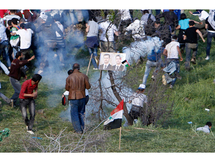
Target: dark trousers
24,104
209,40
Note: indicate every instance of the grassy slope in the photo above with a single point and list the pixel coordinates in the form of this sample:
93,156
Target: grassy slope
192,95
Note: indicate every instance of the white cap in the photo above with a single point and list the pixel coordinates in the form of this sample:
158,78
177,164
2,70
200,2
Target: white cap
142,86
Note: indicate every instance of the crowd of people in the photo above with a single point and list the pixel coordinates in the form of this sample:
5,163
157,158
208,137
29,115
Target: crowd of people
43,34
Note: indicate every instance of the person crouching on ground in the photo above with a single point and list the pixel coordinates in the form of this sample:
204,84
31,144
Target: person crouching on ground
137,100
27,95
205,128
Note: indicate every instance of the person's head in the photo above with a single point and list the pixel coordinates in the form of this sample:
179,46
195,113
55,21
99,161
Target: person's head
57,17
183,16
106,58
22,25
118,60
12,11
14,21
157,23
76,66
70,72
22,20
141,88
36,78
18,54
9,23
209,124
145,11
174,37
191,23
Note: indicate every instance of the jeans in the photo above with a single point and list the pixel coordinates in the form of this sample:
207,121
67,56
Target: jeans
77,111
24,103
4,47
17,87
189,47
177,68
209,40
149,64
94,52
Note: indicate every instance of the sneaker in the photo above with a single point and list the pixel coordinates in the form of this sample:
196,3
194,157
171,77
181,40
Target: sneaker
207,58
95,68
193,60
11,103
30,132
164,80
170,86
153,77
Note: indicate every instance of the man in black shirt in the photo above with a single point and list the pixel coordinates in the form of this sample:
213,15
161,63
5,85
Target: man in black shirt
191,40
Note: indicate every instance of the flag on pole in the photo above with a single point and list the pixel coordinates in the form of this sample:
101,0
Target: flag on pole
115,119
125,62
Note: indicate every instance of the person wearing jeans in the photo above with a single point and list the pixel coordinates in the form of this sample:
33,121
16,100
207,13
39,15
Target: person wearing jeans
76,83
92,29
191,43
27,95
209,40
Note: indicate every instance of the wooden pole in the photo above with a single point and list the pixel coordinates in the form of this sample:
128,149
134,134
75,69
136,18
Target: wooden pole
120,131
89,63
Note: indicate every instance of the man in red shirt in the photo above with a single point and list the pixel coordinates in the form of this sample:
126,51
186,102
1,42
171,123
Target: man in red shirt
27,95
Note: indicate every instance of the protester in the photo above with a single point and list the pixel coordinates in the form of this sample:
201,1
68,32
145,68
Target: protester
137,29
12,14
4,43
137,100
16,73
66,93
210,26
60,47
25,40
153,60
170,19
172,51
183,24
76,83
206,128
202,14
125,19
191,43
92,30
27,95
108,30
14,39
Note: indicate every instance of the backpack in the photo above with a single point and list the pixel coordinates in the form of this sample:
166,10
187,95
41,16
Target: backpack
149,27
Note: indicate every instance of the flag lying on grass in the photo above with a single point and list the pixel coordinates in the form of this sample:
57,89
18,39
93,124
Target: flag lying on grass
115,119
125,62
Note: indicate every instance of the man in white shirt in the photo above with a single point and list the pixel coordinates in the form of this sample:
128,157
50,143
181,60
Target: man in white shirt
205,128
25,39
125,19
172,51
137,29
107,29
